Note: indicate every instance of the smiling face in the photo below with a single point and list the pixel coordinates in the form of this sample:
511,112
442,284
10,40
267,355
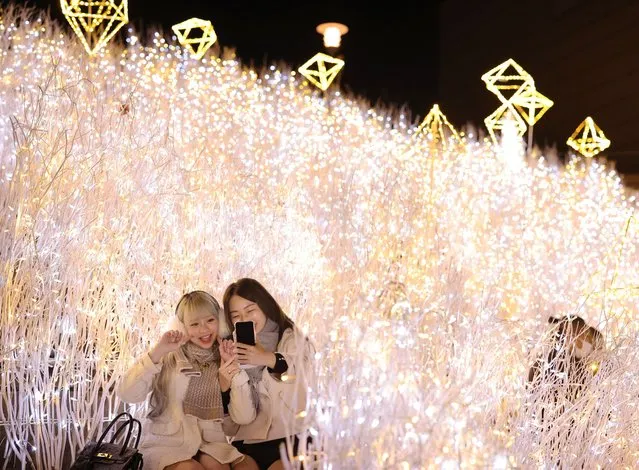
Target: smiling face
202,327
241,309
248,300
199,312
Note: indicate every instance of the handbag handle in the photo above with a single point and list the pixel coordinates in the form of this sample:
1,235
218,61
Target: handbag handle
129,423
139,435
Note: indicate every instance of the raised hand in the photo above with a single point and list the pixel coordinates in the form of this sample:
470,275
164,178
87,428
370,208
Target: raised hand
228,370
227,349
169,342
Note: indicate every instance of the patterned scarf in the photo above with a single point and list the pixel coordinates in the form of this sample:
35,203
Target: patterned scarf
268,338
203,397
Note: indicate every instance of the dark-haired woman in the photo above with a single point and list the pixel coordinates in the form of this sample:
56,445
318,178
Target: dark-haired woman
561,379
279,368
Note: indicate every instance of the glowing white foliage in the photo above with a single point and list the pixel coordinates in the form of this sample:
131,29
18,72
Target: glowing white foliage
424,277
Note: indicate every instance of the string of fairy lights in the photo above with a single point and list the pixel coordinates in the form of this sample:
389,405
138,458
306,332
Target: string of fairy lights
422,261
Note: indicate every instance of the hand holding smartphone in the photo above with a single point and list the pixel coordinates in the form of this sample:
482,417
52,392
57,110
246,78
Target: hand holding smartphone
244,333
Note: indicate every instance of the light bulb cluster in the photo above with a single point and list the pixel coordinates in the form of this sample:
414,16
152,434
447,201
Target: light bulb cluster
424,275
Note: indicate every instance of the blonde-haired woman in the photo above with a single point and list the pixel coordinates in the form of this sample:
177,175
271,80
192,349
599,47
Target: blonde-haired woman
192,382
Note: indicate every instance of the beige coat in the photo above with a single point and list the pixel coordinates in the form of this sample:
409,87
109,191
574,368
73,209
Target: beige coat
282,399
174,436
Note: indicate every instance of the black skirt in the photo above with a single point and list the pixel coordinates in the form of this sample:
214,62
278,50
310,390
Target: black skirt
266,453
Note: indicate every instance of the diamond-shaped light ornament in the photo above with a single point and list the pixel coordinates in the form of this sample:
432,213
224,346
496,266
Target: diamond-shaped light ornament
506,79
436,127
321,70
499,118
196,35
588,139
520,100
95,22
531,104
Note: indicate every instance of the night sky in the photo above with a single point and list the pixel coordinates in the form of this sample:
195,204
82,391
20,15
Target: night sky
391,52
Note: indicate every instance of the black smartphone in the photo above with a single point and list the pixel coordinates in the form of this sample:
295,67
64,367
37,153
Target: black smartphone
245,332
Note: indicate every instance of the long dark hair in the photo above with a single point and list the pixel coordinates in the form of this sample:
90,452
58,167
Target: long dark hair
252,290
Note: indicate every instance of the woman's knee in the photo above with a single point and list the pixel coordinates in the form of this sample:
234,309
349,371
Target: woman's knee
277,465
247,463
186,465
209,463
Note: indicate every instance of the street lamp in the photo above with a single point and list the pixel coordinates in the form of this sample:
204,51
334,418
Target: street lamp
332,33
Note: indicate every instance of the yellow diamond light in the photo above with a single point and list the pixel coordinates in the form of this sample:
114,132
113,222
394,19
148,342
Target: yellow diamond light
95,21
321,70
436,127
516,90
196,35
502,115
508,77
531,104
588,139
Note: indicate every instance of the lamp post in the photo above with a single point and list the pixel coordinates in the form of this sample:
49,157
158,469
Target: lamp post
332,34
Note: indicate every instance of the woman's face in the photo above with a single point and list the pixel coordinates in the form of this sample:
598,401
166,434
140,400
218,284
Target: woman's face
582,348
202,327
580,343
242,309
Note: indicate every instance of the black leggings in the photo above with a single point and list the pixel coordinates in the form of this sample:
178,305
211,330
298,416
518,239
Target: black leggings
266,453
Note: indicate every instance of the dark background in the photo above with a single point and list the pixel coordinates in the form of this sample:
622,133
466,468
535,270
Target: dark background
583,54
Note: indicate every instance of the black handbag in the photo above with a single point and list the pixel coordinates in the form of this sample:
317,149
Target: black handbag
109,455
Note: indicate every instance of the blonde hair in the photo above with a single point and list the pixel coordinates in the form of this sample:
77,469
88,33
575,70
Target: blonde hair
189,302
